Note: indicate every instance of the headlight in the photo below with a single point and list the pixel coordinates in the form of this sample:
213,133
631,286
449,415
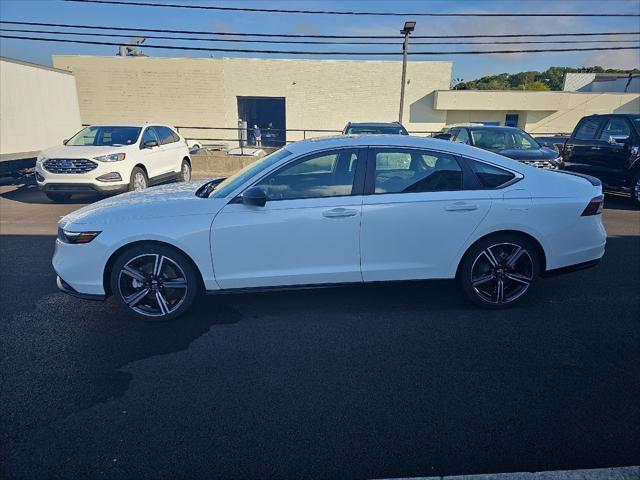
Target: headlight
67,236
112,157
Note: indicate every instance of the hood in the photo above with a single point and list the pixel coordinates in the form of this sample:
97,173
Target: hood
172,200
63,151
543,153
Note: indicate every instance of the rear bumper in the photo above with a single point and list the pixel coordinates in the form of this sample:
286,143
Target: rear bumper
68,289
571,268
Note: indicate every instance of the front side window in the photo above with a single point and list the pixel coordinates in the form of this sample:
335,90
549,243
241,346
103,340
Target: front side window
150,135
99,136
618,128
489,175
414,171
588,128
326,174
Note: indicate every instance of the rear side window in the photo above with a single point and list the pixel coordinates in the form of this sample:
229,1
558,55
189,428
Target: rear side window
588,128
166,135
415,171
463,136
616,127
490,176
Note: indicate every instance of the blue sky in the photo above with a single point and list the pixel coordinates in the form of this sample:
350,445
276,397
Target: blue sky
465,67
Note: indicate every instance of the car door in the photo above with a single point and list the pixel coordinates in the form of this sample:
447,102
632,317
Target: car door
417,214
581,151
169,159
613,151
308,231
151,156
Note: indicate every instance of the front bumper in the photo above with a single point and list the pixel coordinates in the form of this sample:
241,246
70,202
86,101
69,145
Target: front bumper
52,187
87,182
68,289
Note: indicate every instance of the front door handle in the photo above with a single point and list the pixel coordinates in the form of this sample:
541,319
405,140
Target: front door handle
595,148
339,213
461,207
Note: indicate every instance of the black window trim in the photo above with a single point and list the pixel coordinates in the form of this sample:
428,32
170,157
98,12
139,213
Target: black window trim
357,188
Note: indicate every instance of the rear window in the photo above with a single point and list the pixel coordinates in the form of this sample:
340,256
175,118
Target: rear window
588,128
490,176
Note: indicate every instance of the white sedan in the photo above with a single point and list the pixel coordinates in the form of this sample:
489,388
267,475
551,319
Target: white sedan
112,159
342,210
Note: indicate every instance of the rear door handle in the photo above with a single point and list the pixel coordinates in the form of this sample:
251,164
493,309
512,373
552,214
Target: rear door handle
595,148
461,207
339,213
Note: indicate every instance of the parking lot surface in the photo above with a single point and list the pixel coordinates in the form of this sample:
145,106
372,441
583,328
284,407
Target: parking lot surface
363,382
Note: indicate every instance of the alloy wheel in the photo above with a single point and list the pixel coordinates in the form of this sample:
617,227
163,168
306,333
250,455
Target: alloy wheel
502,273
636,190
139,182
186,172
152,285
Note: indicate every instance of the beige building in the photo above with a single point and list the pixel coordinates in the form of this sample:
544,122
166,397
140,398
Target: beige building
38,106
292,94
310,95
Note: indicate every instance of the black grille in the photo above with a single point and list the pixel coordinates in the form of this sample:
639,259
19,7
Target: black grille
69,165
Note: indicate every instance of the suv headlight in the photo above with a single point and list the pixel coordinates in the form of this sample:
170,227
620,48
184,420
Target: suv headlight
67,236
112,157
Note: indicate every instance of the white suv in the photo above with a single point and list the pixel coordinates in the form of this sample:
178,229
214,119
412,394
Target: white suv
113,159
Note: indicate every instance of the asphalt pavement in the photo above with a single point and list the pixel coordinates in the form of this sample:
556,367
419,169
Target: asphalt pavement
362,382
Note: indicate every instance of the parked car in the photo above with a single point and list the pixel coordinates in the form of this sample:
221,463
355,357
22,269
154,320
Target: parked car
555,142
391,128
113,159
508,141
607,147
336,210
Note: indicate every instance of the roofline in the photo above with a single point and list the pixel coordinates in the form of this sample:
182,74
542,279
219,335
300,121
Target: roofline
554,92
35,65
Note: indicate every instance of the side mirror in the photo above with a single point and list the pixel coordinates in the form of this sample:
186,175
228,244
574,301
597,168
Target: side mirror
254,196
64,142
150,144
443,136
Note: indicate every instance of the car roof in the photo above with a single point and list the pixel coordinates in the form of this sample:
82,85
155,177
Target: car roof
133,124
374,124
408,141
487,127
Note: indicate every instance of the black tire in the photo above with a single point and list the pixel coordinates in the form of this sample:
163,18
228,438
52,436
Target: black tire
138,177
58,197
185,171
160,303
487,266
635,190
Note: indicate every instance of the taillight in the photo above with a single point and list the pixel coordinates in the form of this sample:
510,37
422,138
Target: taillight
594,207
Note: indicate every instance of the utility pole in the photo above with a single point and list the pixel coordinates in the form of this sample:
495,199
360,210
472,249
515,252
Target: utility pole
406,31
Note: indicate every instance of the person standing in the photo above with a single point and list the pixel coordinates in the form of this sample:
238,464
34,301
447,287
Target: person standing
257,134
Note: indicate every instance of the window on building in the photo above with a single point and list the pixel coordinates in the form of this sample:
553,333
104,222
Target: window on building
511,120
413,171
327,174
588,128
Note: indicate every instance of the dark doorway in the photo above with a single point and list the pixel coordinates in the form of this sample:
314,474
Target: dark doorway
269,114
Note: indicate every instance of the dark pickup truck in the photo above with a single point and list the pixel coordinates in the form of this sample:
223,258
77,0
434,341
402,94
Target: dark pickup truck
606,147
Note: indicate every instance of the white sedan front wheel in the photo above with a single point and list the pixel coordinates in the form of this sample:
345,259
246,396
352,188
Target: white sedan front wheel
153,282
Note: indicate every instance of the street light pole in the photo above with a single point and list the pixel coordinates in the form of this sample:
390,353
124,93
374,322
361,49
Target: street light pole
406,31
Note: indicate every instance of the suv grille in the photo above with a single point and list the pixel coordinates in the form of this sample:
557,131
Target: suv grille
69,165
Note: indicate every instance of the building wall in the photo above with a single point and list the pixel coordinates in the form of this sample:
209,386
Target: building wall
319,94
38,107
539,112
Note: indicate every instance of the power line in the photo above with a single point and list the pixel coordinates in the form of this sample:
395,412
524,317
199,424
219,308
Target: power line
334,12
312,42
290,35
297,52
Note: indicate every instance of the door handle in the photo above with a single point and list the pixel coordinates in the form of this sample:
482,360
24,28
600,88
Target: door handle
339,213
595,148
461,207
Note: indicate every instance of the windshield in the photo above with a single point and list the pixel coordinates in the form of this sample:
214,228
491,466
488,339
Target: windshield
496,140
234,181
377,130
104,136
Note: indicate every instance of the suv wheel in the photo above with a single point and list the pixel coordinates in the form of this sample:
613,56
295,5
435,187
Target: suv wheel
139,180
499,271
154,282
58,197
635,190
185,171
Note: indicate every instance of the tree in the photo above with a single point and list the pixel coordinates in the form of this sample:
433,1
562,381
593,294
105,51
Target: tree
538,86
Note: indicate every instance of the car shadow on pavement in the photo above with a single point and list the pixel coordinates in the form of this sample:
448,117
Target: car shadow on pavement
28,192
619,202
